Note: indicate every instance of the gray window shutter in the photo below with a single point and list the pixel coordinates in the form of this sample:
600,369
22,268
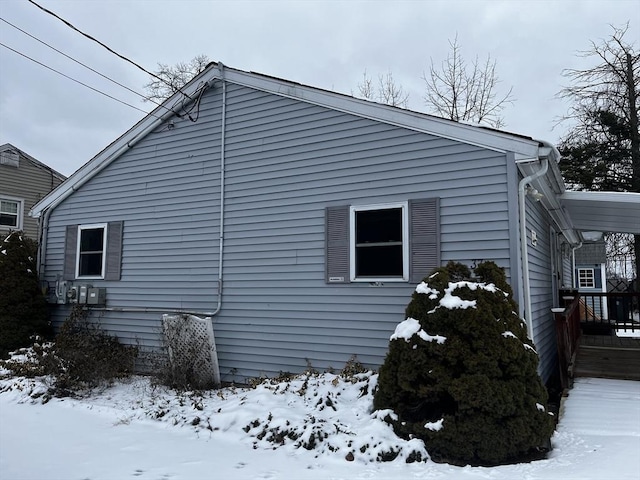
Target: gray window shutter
337,244
114,251
70,247
424,232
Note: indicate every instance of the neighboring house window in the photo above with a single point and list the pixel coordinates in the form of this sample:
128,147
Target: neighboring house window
92,240
379,245
394,242
93,251
586,278
11,213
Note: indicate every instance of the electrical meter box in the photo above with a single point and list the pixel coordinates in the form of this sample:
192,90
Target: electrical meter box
97,296
83,293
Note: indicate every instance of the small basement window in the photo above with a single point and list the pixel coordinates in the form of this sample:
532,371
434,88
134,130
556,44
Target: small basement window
586,278
11,213
92,240
379,243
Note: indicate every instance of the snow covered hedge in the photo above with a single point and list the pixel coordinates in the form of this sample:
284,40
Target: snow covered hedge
461,373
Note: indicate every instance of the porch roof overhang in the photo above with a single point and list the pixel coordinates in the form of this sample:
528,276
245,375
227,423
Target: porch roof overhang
603,211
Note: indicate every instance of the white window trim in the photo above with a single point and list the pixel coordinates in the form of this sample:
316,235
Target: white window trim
593,277
20,203
104,250
405,241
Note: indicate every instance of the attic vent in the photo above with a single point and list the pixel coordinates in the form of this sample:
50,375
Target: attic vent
11,159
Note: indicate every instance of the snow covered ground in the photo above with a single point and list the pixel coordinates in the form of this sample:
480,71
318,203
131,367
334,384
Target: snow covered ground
135,430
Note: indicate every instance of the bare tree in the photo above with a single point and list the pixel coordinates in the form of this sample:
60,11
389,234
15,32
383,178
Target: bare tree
387,90
602,149
173,77
464,92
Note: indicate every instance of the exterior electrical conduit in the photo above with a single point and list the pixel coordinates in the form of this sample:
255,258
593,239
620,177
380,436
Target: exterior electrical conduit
221,235
129,145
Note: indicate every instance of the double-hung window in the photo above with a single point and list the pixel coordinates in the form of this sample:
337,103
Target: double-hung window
379,242
11,213
91,251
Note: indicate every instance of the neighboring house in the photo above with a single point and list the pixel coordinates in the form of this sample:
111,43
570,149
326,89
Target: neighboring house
24,181
301,221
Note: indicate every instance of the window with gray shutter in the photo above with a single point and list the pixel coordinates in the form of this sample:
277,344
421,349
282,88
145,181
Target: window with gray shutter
377,233
93,251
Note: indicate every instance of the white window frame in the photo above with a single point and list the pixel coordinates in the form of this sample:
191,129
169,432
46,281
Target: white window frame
20,203
353,210
104,250
590,275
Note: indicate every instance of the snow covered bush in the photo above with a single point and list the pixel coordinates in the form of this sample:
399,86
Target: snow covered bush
461,373
23,308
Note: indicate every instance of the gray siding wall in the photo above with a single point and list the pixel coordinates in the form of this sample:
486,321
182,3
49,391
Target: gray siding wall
540,276
286,161
30,184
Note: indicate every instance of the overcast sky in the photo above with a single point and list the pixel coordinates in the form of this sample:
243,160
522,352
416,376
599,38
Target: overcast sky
326,44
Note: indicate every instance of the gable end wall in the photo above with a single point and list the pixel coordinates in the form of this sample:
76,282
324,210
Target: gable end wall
286,162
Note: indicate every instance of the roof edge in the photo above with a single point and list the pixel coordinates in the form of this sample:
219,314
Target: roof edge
522,147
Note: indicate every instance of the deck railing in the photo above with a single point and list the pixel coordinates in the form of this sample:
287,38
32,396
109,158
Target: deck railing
567,319
602,313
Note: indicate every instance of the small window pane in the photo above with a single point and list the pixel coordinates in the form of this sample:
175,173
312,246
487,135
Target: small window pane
375,226
91,240
380,261
8,207
8,220
90,264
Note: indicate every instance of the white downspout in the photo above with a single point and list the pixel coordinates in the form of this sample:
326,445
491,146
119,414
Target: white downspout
522,194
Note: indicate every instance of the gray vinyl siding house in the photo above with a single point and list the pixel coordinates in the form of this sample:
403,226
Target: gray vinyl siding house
24,181
288,168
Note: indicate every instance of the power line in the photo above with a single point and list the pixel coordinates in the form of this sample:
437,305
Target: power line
79,62
74,80
70,25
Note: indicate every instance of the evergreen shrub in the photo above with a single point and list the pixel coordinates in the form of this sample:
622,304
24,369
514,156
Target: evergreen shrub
23,308
461,372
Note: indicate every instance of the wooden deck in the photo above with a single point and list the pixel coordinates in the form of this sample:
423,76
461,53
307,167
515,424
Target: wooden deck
607,356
